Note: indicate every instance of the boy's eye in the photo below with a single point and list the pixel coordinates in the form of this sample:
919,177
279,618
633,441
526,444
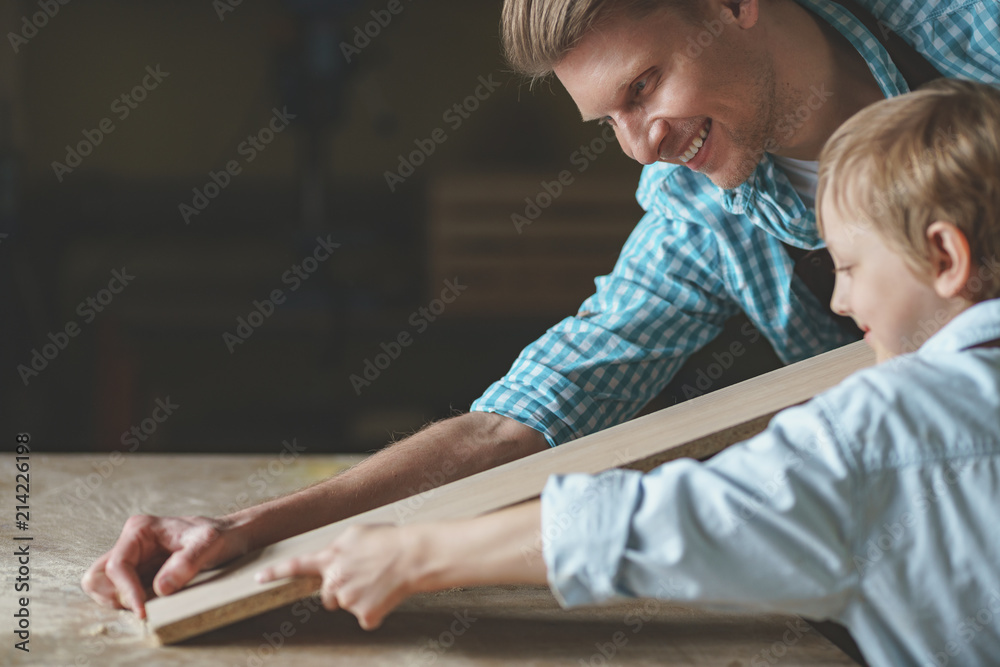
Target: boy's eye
606,121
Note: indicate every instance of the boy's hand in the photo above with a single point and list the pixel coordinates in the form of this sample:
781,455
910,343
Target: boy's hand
173,548
366,570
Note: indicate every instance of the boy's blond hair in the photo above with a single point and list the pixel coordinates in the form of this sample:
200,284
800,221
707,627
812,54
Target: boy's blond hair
537,34
903,163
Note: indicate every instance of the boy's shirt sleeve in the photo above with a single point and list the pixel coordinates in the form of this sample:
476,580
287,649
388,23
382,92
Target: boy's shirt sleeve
766,523
663,301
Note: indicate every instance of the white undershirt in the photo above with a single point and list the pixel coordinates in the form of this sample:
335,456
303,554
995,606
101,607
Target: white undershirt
803,175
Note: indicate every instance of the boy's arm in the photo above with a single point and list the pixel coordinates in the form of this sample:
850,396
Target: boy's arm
369,570
177,548
769,523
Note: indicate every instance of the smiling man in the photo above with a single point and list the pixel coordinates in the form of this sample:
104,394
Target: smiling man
730,131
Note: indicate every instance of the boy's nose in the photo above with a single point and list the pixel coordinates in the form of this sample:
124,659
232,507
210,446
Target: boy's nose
838,302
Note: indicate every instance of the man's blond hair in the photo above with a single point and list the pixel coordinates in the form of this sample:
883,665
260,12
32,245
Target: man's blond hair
932,155
537,34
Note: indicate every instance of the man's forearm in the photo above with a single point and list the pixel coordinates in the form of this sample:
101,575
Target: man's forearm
441,453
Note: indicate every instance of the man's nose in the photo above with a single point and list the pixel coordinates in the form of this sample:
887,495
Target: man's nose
640,140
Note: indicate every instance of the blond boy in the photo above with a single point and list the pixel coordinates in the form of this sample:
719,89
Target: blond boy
885,511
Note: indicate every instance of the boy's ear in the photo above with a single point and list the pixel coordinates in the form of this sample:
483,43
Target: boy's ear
951,261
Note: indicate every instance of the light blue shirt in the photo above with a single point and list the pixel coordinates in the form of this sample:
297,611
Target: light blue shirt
875,504
701,254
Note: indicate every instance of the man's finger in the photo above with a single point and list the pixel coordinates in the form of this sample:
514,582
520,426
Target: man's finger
126,582
198,553
96,584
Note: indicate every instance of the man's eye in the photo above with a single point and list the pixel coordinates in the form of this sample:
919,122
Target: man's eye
606,121
640,86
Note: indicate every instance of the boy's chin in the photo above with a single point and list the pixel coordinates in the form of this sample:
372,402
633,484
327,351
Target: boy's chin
881,353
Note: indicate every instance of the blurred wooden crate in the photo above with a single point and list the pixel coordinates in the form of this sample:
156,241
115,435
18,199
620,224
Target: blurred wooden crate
522,267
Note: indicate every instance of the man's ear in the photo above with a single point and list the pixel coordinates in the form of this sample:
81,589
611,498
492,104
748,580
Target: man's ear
743,13
951,261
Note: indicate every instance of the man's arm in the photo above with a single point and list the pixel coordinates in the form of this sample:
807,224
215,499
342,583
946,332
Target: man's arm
177,548
440,453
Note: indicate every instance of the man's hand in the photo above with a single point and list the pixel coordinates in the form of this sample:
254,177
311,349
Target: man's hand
173,548
366,570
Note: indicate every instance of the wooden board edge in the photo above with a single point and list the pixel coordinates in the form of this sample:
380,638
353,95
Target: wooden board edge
287,592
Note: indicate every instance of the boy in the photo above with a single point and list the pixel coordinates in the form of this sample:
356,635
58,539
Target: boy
874,504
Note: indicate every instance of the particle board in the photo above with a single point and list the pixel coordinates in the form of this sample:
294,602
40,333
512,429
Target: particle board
696,428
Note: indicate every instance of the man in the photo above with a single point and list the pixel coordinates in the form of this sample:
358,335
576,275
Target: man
729,102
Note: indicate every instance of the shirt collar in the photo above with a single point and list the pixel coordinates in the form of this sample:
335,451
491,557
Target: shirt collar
980,323
789,218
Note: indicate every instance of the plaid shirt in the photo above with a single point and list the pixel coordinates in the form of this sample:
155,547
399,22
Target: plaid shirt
701,254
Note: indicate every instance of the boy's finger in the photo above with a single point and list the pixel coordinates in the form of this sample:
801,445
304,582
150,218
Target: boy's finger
292,567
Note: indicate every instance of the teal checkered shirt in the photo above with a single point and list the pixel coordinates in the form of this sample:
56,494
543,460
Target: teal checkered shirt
701,254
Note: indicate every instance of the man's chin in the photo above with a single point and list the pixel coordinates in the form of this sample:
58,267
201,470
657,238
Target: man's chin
730,176
728,180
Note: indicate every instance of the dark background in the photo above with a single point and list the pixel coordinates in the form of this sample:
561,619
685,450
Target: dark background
162,336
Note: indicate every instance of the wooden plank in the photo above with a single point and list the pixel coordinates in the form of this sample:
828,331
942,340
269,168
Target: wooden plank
696,428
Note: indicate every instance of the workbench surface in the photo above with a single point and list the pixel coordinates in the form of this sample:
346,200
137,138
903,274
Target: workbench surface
79,503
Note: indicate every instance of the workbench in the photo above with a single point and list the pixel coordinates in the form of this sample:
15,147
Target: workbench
79,503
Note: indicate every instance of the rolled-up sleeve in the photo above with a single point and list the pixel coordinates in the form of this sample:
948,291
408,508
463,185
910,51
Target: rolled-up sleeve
662,302
766,523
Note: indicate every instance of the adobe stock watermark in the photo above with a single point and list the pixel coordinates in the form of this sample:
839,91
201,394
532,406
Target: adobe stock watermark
406,507
88,309
634,620
303,612
454,117
549,191
248,150
363,35
223,7
265,475
767,489
892,533
712,30
433,649
556,525
968,630
420,320
706,377
122,107
294,277
793,121
797,629
30,25
85,486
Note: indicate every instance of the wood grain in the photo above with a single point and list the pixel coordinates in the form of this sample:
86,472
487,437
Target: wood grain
697,428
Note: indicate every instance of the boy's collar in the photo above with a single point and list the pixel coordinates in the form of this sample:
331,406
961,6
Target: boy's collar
974,326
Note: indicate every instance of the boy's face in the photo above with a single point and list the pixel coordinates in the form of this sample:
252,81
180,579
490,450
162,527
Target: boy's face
663,92
895,308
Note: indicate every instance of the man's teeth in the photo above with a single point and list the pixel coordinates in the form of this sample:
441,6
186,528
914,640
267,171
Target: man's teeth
696,145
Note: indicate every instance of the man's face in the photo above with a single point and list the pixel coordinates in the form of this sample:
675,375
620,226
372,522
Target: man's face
895,308
639,76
